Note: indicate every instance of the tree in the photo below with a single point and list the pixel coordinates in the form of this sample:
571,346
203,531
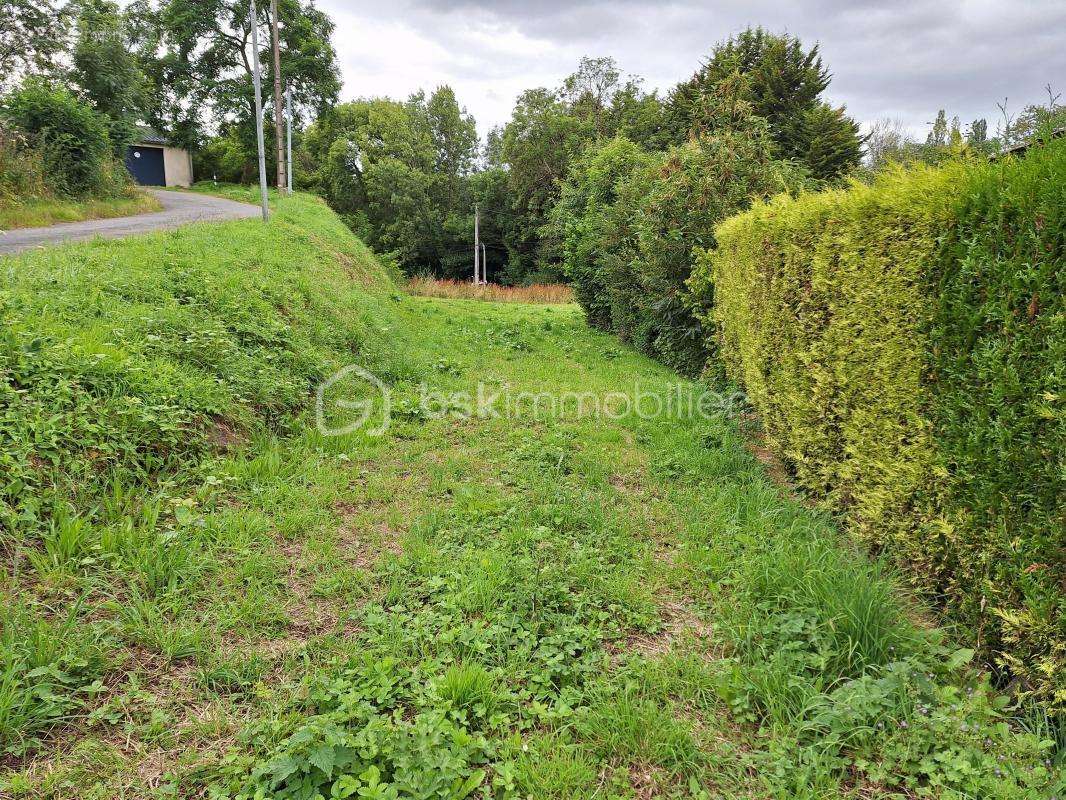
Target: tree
938,132
106,70
33,34
582,220
400,175
538,144
548,130
783,83
834,144
196,53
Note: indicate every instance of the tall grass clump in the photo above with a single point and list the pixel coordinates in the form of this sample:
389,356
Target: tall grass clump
902,343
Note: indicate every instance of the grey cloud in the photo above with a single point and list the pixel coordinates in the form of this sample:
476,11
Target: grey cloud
904,59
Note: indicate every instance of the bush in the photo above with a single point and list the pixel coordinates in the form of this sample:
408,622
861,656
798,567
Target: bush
71,137
22,169
631,222
581,220
903,345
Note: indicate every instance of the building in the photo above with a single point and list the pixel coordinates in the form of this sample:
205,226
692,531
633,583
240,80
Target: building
152,162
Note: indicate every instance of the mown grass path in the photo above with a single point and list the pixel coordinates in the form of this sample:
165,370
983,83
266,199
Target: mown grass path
525,605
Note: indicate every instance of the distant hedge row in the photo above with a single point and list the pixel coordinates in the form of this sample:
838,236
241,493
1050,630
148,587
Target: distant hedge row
904,344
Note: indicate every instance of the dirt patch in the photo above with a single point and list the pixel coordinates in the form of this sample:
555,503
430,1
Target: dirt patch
678,621
223,435
646,780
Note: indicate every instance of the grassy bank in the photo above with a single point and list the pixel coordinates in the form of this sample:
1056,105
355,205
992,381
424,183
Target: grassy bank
220,600
51,212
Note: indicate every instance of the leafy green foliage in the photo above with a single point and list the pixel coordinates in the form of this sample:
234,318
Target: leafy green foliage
194,55
70,135
107,71
630,223
399,174
901,345
581,219
548,130
34,33
996,376
783,82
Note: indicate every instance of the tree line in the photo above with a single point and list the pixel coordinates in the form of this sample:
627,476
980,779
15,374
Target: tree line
407,174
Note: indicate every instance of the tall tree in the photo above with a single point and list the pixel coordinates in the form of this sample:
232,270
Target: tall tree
198,55
833,141
784,83
33,33
106,70
399,174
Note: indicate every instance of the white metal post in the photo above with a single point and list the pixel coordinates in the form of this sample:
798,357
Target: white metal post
258,110
484,265
288,159
477,249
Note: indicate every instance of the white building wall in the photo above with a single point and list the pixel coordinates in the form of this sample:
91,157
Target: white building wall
177,165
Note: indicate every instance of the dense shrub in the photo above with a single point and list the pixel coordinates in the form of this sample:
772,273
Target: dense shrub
22,169
631,234
71,138
581,220
903,345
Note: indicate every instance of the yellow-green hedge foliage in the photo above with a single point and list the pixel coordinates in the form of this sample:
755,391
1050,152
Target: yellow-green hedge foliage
862,343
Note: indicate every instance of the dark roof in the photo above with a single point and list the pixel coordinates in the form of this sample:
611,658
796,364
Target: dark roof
148,135
1021,147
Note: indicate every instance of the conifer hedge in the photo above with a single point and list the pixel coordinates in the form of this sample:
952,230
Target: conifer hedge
904,344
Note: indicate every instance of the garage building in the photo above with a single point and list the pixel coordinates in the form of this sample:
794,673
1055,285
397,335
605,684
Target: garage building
152,162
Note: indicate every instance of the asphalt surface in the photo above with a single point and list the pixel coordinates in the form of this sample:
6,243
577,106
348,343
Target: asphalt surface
179,208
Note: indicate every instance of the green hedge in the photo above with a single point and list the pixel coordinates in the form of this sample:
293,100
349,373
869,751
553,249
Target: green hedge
903,345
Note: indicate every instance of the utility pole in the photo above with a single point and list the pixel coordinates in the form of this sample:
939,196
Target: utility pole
288,149
277,95
258,110
484,265
477,249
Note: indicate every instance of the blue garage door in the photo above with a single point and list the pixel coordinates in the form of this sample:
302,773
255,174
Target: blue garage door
146,165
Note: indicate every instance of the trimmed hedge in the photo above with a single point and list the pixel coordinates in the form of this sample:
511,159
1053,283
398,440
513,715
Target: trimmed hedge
903,345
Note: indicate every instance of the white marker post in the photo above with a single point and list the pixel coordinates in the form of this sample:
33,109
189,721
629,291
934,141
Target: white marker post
288,114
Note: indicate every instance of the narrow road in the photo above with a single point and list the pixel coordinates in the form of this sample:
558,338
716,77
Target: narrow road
179,208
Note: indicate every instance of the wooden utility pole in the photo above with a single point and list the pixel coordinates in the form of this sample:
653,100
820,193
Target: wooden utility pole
477,249
278,135
258,109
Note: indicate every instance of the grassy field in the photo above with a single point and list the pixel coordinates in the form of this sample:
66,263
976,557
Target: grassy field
551,597
51,212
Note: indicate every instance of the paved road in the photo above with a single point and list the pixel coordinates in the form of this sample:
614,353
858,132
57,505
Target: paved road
179,208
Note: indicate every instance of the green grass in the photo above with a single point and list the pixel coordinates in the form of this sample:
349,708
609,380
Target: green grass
208,597
38,213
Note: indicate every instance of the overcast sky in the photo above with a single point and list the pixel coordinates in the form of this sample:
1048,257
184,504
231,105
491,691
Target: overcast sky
902,59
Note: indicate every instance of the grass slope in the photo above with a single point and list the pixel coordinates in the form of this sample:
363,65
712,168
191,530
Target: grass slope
51,212
216,600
